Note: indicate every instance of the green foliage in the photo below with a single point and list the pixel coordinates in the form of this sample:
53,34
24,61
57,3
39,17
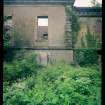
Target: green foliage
21,66
86,56
6,40
6,18
75,25
60,84
9,54
6,34
90,40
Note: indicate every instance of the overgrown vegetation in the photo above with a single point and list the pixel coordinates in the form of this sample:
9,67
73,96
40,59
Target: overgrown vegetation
74,25
86,57
25,83
60,84
88,53
90,41
6,34
23,64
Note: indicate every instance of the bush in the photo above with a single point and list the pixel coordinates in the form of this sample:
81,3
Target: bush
9,54
22,66
88,53
86,57
6,39
60,84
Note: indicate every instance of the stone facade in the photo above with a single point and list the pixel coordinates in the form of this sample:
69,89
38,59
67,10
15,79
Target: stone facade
25,26
52,56
89,18
26,30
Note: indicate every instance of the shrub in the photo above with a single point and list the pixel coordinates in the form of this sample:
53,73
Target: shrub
22,66
86,56
6,39
60,84
88,53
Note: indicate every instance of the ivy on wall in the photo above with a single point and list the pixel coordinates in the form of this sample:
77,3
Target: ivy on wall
6,32
90,40
74,25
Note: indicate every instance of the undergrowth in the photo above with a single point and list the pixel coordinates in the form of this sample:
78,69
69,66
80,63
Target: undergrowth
60,84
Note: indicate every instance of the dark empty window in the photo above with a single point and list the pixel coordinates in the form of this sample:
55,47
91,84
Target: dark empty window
8,24
7,29
8,21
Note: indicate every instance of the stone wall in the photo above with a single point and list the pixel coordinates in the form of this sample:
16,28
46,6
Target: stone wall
25,24
25,31
52,56
95,27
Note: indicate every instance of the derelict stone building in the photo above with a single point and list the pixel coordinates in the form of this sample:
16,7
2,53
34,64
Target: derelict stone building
40,24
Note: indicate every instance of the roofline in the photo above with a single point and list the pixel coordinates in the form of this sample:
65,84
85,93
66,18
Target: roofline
88,11
78,8
90,16
70,2
87,7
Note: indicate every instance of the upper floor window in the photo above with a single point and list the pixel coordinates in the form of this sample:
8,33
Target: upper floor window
42,20
8,21
42,28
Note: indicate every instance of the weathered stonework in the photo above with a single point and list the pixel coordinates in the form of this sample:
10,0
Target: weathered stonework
25,24
89,18
54,56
